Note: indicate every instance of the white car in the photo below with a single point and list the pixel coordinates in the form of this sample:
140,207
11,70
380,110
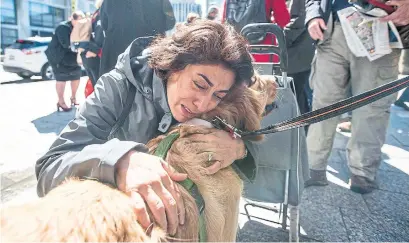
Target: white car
26,57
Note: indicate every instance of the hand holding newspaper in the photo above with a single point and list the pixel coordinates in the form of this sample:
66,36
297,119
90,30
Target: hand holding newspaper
366,35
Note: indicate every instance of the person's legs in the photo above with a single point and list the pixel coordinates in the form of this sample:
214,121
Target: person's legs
370,122
299,83
60,87
329,80
74,88
93,65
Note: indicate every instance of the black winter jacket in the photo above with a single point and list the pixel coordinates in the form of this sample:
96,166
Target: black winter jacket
59,51
125,20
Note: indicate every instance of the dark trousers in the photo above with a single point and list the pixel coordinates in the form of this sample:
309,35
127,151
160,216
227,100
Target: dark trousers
300,82
91,65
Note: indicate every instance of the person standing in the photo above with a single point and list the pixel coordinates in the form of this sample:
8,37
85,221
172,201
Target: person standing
124,21
91,55
335,69
300,53
64,61
213,13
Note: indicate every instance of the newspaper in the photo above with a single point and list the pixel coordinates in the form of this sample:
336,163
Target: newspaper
366,35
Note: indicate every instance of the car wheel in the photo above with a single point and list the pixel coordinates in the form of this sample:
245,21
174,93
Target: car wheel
24,75
47,72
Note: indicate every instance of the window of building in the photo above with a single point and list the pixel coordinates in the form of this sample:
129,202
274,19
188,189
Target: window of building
8,12
8,37
43,15
41,33
58,2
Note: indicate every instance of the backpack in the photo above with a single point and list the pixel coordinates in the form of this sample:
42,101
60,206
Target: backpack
81,34
240,13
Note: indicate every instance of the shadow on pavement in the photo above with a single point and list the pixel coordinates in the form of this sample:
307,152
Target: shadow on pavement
54,122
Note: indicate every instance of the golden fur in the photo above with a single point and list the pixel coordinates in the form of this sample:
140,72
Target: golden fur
86,210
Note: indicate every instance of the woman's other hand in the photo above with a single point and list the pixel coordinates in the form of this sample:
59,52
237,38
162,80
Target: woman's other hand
220,148
149,180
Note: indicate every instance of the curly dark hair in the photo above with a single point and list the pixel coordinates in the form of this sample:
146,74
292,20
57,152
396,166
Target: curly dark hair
202,42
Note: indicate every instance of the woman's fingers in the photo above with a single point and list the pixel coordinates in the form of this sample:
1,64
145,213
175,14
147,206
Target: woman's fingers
170,208
174,175
156,206
140,209
174,190
181,205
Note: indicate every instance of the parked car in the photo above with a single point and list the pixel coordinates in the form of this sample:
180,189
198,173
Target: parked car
26,58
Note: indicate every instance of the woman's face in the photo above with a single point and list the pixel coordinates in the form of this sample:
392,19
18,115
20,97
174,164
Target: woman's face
197,89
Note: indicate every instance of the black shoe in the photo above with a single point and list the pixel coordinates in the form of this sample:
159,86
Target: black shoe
318,178
362,185
401,104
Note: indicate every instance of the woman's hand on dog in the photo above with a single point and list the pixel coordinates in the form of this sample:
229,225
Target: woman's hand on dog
221,148
149,180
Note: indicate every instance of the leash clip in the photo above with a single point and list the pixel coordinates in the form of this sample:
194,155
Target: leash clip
223,125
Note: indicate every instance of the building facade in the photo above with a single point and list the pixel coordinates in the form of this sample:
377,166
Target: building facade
25,18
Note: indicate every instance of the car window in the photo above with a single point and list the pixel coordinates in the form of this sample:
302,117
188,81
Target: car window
26,44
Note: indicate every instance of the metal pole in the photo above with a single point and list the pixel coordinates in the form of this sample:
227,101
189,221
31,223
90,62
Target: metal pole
206,8
73,5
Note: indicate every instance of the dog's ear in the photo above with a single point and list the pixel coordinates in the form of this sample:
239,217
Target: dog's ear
267,85
252,105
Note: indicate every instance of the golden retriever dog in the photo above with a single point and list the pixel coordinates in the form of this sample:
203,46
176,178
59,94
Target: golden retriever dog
87,210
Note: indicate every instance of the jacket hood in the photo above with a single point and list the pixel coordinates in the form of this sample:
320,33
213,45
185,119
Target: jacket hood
134,59
133,63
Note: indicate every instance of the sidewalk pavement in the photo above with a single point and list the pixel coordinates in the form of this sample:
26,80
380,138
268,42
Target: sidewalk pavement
333,213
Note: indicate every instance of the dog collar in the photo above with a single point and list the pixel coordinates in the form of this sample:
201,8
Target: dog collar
161,151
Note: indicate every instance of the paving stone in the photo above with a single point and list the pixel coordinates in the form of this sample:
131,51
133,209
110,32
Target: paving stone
391,140
317,195
6,182
337,170
397,165
388,203
261,231
394,182
365,227
322,222
15,190
345,198
399,126
20,175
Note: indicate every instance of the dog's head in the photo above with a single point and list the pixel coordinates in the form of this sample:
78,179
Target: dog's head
243,107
